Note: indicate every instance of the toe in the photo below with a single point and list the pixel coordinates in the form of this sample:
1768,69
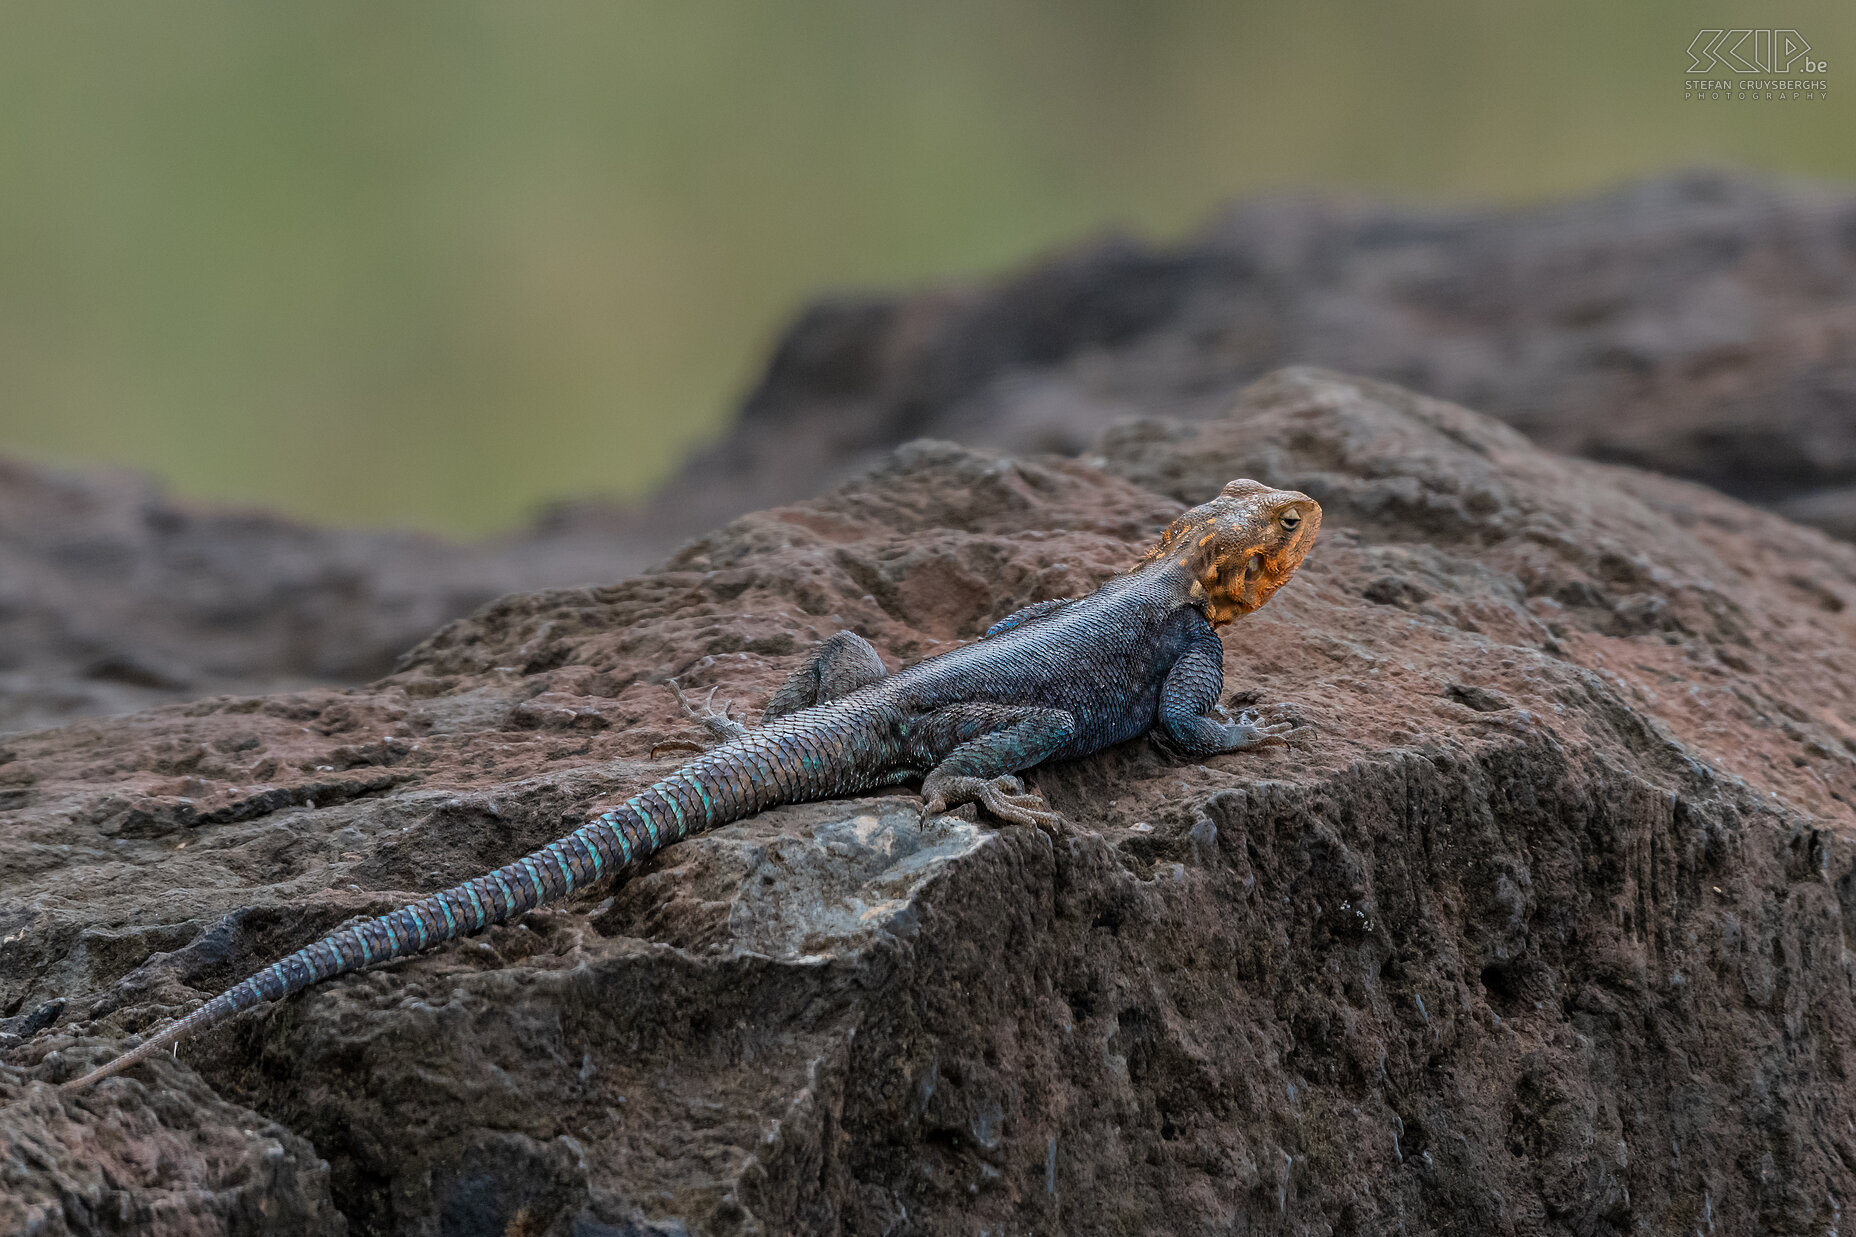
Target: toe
1048,822
683,745
1027,810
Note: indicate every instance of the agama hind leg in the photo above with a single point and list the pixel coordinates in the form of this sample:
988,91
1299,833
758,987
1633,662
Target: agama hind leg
1190,693
721,725
837,667
841,665
984,745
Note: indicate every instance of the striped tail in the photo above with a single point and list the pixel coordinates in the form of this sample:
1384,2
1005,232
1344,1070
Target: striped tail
781,763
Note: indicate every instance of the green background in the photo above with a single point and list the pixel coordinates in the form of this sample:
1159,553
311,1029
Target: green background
430,264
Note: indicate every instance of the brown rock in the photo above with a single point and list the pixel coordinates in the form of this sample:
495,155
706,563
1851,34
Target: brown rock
175,1160
115,597
1702,325
1540,930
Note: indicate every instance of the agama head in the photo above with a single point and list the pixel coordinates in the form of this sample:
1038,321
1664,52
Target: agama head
1235,551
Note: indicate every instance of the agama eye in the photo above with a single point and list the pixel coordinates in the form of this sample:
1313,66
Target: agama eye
1290,519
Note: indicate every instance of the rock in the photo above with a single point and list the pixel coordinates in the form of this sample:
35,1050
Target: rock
115,597
168,1159
1540,929
1833,510
1703,325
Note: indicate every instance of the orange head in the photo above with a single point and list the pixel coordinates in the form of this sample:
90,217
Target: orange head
1235,551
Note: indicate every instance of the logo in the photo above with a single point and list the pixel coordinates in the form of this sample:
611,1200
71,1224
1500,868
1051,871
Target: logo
1754,65
1752,51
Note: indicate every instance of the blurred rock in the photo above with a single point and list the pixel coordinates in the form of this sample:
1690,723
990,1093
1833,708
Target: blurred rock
115,597
1832,510
1701,325
1543,928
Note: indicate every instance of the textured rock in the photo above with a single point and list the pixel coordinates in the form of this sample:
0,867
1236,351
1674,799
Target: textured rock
114,597
174,1160
1702,325
1543,929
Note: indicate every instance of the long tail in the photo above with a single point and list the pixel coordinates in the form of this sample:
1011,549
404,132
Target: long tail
782,763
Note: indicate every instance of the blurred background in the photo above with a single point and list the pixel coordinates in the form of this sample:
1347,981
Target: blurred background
433,265
323,323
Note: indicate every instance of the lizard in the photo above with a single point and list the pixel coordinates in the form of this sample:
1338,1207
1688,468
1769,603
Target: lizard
1054,681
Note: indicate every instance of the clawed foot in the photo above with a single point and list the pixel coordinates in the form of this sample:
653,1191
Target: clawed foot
1004,796
721,725
1250,730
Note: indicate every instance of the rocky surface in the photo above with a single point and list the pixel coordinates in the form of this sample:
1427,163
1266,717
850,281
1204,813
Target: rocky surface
1542,929
1702,325
115,597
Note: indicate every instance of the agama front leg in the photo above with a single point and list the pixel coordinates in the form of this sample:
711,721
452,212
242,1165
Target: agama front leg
983,746
1190,693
